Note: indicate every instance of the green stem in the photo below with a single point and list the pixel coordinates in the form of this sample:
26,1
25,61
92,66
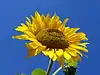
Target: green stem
58,70
70,70
49,67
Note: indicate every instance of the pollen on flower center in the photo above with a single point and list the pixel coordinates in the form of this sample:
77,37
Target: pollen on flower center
52,38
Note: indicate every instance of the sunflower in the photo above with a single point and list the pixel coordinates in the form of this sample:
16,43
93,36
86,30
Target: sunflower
50,36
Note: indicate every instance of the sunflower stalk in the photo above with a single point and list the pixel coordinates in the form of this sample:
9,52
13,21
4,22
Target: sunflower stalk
69,70
57,71
49,67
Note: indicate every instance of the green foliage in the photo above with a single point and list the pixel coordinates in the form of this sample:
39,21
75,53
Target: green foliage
72,63
38,71
23,74
20,74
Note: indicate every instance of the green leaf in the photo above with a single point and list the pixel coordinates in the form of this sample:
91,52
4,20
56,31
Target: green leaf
39,71
23,74
20,74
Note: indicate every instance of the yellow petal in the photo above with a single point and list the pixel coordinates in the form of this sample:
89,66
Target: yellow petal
49,53
54,57
24,37
46,20
37,16
77,58
79,48
62,26
64,29
28,20
52,20
26,29
28,24
61,61
48,15
55,22
33,18
79,53
22,28
39,50
71,32
73,61
73,53
34,48
39,19
59,52
85,55
31,51
83,44
36,43
33,45
46,52
65,21
67,56
78,36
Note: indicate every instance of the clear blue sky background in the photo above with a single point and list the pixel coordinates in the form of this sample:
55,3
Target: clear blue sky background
83,13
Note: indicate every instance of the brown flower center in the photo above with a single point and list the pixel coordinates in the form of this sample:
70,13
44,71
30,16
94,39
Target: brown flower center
52,38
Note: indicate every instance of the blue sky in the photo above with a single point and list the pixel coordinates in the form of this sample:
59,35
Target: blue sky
83,13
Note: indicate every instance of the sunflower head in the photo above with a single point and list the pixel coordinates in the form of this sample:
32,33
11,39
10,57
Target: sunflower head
50,36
